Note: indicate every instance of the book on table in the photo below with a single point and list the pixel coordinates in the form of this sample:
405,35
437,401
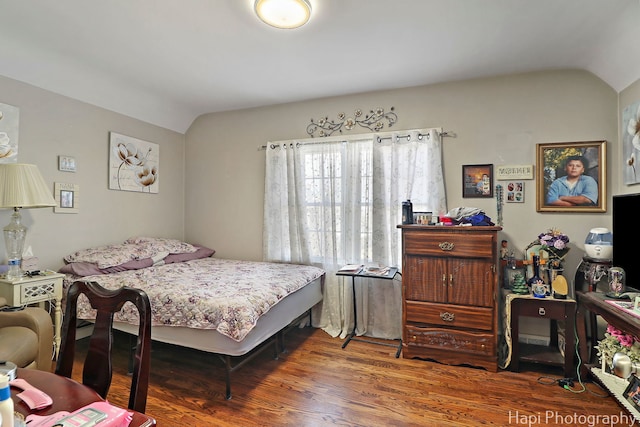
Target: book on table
626,306
375,270
351,268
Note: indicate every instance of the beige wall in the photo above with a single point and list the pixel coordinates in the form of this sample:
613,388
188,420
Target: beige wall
212,178
53,125
217,198
497,120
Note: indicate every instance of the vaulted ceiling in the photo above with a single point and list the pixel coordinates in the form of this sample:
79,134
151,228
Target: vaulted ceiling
167,62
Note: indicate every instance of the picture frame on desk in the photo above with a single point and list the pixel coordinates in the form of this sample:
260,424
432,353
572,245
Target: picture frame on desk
632,392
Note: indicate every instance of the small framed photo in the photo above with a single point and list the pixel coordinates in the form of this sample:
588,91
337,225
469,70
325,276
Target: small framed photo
477,181
66,196
515,192
66,163
571,177
632,392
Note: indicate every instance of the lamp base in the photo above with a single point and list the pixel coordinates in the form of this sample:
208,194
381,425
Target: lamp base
14,236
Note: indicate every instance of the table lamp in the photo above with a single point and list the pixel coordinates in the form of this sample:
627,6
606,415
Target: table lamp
623,366
21,186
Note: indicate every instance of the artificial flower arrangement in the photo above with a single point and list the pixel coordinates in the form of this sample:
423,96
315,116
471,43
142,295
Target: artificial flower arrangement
615,341
554,242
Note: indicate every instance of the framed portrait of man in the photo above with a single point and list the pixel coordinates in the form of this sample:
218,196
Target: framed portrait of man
571,176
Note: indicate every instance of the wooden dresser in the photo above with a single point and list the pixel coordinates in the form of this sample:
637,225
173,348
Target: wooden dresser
450,294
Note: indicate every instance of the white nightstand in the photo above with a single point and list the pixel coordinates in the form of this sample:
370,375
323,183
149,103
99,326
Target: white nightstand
37,289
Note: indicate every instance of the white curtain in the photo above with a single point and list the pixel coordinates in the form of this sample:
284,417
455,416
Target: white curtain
335,202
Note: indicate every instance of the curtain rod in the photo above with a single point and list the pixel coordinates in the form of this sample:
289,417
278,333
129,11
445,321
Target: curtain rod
379,139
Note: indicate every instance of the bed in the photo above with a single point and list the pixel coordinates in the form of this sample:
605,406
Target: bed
228,307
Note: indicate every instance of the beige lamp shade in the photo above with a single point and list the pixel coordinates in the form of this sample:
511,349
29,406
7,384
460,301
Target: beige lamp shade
22,186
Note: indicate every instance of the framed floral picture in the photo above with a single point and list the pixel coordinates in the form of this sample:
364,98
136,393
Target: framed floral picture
571,177
9,118
133,164
477,181
631,143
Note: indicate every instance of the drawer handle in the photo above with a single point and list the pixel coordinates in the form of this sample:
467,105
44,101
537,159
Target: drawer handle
447,317
444,280
446,246
542,311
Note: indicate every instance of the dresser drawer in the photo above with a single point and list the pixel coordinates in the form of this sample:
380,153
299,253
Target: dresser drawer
469,317
544,307
470,245
451,339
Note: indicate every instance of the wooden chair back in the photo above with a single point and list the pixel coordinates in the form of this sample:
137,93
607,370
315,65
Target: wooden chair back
97,369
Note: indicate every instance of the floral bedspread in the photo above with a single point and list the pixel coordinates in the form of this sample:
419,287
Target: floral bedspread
226,295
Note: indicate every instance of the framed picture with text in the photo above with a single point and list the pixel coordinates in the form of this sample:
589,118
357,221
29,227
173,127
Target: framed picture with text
66,196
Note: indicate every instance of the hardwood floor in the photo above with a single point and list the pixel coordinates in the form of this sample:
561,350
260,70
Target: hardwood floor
317,383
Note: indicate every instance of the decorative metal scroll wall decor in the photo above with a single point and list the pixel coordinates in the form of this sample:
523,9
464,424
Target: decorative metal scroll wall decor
374,121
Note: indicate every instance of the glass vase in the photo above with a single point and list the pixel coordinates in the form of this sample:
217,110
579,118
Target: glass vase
616,282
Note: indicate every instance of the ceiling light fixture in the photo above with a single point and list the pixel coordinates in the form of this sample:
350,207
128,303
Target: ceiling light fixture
286,14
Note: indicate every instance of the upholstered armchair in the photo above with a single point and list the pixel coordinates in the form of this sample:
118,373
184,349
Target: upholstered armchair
26,337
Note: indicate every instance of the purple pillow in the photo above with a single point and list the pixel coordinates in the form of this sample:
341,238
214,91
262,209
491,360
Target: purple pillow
201,252
135,264
90,269
81,269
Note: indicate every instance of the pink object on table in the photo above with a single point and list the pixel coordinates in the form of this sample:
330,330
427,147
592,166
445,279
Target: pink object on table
32,396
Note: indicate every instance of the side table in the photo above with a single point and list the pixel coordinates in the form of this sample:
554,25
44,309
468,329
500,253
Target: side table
47,286
546,308
352,336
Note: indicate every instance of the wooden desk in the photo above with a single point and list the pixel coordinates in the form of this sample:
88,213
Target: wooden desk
68,395
594,303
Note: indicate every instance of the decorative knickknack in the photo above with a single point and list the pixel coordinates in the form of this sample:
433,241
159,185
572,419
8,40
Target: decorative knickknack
545,256
374,121
519,285
554,242
617,280
615,341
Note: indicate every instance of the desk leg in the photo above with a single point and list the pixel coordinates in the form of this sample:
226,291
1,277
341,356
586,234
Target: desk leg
355,314
515,336
582,339
569,340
